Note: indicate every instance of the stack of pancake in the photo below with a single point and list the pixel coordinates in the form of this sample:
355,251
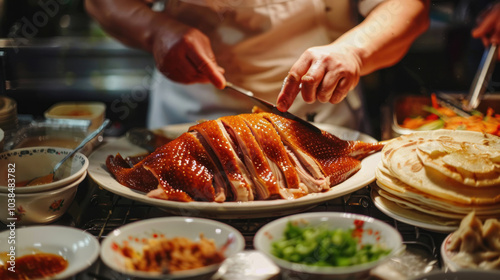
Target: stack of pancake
440,176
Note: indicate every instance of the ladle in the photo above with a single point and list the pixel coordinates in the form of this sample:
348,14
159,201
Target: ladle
54,176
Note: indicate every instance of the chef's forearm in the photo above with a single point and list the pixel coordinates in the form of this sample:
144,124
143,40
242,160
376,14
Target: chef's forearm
132,22
387,33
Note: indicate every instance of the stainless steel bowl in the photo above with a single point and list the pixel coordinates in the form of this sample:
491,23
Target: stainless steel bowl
405,106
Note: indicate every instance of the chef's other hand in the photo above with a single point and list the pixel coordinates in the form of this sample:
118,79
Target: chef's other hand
185,56
324,73
488,28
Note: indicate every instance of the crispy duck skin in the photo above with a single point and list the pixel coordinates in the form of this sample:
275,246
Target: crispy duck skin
183,171
266,185
335,158
276,154
246,157
224,149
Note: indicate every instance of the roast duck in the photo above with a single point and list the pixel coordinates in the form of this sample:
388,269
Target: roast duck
255,156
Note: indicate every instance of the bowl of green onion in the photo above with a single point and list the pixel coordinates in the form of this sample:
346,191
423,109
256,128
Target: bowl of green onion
328,245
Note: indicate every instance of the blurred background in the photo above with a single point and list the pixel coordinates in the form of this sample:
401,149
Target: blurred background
51,51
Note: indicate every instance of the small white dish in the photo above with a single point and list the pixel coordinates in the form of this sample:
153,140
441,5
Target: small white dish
93,111
373,232
39,207
78,248
24,164
134,234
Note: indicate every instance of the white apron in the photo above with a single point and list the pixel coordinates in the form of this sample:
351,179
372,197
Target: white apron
256,42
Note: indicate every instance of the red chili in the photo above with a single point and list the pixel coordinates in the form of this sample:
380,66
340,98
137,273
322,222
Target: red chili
359,223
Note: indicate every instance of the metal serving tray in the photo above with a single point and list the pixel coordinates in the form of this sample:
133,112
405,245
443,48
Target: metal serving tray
404,106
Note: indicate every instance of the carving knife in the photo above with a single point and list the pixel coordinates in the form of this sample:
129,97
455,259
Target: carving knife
269,107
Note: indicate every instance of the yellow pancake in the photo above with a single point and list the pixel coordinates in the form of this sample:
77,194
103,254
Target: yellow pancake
402,161
396,187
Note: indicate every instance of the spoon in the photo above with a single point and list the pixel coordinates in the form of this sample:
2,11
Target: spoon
53,176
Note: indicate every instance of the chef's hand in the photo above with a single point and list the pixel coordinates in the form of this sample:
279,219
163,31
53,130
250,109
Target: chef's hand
324,73
185,56
488,28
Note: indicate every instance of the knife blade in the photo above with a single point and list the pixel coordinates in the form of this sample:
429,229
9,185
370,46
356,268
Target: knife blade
269,107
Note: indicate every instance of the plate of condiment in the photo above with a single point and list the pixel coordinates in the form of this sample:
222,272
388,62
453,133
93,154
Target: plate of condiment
48,252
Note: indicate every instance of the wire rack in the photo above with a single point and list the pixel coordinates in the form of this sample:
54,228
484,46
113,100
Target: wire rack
99,212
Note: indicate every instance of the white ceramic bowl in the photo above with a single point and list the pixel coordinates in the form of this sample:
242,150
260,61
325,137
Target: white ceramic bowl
77,247
169,227
39,207
24,164
374,232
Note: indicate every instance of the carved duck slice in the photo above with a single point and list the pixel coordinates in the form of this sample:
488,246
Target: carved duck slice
183,169
242,158
328,159
276,154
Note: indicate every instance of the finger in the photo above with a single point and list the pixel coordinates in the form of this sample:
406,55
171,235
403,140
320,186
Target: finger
340,91
484,27
495,36
486,42
288,93
207,67
327,86
311,80
291,84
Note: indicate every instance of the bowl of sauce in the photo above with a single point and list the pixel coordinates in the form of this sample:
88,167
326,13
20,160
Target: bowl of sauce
47,252
20,166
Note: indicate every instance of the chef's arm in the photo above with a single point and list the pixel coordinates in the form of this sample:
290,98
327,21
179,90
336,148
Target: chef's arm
386,34
327,73
181,53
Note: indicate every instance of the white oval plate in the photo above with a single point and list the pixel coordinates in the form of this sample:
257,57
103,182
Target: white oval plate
236,210
79,248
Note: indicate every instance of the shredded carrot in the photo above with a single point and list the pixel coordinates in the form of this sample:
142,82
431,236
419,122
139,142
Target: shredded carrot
489,123
434,101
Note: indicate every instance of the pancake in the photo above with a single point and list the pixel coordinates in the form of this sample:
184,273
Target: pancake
407,167
396,187
416,205
411,214
470,158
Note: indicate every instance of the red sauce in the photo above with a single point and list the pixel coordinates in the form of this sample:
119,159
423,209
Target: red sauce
49,178
77,113
34,266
